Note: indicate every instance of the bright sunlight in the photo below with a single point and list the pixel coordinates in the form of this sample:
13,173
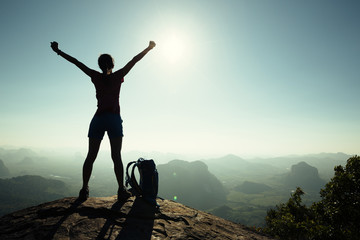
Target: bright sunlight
173,47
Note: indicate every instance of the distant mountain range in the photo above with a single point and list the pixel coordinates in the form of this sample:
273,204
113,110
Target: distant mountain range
25,191
324,162
16,154
230,166
259,168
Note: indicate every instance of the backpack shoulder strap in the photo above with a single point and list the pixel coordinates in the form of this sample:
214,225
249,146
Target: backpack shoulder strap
127,178
134,184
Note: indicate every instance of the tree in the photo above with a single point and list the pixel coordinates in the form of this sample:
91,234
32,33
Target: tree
289,220
335,216
339,209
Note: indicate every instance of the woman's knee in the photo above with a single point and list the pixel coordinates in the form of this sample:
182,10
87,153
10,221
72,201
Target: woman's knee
90,158
116,157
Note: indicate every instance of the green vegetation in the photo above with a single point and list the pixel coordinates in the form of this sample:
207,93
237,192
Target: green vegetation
335,216
251,209
252,187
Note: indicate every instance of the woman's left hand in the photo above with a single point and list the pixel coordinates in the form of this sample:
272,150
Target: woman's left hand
152,44
55,46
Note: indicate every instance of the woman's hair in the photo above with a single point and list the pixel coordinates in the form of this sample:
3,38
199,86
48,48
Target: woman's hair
105,62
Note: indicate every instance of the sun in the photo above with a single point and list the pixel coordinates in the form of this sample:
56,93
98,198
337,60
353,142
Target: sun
173,47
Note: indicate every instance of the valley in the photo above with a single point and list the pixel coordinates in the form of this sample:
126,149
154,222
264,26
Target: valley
240,190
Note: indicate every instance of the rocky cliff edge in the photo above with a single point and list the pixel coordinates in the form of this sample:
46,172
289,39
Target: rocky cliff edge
105,218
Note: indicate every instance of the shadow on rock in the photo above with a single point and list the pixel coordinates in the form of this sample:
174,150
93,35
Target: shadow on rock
72,209
139,221
110,223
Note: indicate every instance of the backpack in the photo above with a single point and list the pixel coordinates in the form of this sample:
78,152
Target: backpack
149,180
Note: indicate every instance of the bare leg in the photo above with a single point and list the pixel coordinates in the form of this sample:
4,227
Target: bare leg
94,145
116,144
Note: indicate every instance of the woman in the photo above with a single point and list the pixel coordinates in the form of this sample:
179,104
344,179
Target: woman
107,117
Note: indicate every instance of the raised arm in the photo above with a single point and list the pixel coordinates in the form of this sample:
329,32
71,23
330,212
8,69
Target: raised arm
137,58
83,67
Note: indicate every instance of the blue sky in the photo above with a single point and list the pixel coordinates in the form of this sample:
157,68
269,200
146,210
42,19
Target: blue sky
243,77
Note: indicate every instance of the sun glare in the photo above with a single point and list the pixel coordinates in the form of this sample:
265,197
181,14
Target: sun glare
173,47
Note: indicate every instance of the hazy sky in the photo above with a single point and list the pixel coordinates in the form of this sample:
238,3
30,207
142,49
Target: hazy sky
250,77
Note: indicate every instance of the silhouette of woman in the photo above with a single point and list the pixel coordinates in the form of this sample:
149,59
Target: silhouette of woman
107,117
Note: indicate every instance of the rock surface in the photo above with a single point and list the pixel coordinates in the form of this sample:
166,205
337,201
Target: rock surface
105,218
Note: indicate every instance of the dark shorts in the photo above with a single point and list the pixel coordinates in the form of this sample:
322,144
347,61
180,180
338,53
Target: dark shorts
109,122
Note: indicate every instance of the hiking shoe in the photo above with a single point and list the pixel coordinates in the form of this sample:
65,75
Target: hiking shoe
84,194
123,194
